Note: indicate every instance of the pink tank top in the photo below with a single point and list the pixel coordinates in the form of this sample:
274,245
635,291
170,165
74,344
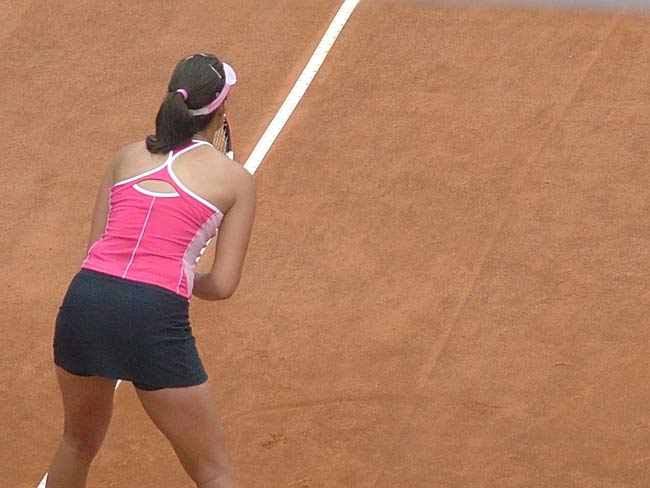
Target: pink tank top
155,238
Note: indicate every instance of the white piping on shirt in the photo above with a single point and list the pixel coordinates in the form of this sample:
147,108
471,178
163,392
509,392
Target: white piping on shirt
181,185
135,249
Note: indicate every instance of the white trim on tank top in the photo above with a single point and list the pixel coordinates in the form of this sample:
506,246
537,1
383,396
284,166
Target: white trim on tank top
135,249
191,194
182,186
141,175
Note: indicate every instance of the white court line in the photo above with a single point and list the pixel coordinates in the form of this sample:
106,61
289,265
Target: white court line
299,89
293,98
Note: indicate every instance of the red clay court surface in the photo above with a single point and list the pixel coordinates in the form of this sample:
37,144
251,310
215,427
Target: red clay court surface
448,280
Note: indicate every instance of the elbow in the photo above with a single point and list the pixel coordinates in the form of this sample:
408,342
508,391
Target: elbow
213,287
214,296
222,295
223,291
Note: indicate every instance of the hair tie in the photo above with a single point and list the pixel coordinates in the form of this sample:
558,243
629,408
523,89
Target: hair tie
183,92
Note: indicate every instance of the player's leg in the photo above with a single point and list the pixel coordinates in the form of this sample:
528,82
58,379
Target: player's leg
188,417
88,406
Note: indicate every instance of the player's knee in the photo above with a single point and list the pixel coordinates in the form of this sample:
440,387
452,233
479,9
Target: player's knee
214,477
84,446
220,481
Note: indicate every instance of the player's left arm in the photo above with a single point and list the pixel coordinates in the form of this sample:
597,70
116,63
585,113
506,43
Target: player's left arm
100,213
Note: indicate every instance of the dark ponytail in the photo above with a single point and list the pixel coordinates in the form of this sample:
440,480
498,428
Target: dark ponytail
196,77
174,125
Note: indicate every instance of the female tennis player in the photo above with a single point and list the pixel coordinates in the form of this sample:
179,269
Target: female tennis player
125,314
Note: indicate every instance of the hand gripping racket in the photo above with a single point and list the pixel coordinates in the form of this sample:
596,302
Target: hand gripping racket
223,140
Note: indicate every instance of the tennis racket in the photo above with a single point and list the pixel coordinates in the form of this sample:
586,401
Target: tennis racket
223,140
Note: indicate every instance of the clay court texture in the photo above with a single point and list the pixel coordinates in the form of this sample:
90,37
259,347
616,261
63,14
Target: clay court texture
447,285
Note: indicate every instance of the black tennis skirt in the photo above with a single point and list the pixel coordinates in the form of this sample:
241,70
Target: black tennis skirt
122,329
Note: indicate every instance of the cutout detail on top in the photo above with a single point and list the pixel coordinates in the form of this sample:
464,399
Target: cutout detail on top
156,188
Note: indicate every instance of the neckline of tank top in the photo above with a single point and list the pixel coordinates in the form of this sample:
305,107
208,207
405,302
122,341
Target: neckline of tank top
167,164
171,156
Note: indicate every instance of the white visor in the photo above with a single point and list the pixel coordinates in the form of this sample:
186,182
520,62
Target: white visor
231,80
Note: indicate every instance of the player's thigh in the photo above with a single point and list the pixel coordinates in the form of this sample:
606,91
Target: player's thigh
87,405
189,418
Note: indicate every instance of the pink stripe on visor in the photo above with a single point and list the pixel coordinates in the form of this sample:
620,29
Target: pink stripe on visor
231,79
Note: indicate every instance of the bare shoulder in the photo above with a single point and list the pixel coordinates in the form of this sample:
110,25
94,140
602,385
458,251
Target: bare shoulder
245,180
215,177
125,152
227,170
128,149
242,181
